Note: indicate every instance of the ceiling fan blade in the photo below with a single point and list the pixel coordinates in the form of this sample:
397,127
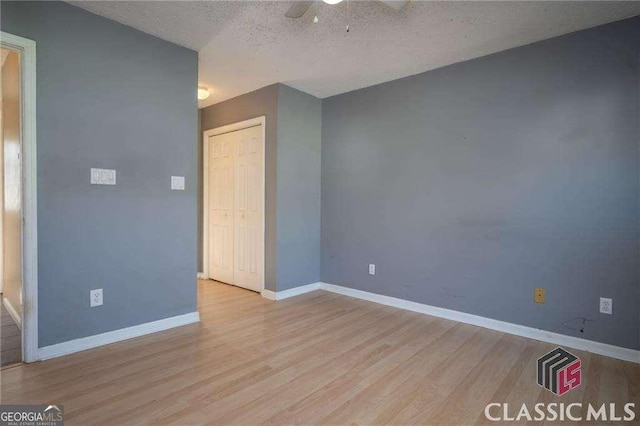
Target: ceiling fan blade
396,4
298,9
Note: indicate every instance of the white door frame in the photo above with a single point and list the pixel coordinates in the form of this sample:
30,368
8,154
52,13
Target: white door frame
27,49
258,121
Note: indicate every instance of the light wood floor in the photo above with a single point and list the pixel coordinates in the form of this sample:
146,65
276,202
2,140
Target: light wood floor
10,338
315,358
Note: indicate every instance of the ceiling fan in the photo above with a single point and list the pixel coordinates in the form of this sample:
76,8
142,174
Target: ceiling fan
299,8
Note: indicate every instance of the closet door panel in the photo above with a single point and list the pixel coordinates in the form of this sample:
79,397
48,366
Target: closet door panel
240,271
221,189
236,210
254,217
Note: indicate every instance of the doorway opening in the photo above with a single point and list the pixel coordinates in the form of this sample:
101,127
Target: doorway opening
18,226
234,204
10,208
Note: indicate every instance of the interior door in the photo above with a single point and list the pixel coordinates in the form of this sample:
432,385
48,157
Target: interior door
221,187
249,222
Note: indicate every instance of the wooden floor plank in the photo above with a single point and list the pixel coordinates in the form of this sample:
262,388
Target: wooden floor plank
319,358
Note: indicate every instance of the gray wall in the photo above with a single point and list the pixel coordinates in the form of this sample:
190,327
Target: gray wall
298,229
251,105
110,97
293,138
470,185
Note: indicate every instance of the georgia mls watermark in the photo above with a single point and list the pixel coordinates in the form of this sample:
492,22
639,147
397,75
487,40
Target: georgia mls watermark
31,415
559,372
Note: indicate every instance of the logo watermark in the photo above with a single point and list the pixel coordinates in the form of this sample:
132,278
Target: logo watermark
553,411
31,415
559,372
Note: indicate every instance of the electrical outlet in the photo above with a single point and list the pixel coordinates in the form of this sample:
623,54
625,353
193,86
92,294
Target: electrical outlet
372,269
606,306
539,295
95,297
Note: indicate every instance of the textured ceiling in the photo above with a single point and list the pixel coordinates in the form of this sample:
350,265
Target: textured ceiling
247,45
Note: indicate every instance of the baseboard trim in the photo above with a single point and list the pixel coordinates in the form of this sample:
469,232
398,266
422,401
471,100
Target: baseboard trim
617,352
12,312
285,294
201,276
84,343
268,294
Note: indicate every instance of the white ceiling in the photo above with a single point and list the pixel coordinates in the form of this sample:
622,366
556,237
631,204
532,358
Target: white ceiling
247,45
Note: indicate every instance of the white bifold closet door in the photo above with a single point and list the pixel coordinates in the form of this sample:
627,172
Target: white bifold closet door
236,211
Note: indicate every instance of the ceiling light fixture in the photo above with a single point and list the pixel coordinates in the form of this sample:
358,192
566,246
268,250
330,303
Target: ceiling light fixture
203,92
332,1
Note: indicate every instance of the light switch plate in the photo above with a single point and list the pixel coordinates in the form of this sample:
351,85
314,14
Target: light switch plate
103,177
177,183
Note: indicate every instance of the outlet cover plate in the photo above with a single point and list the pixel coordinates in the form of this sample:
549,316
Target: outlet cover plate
606,305
103,177
177,183
95,297
539,295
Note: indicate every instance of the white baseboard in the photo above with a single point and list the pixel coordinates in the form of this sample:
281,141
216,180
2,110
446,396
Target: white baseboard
268,294
285,294
505,327
14,314
90,342
201,276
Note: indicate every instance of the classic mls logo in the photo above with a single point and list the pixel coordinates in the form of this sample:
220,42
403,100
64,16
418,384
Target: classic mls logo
559,371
